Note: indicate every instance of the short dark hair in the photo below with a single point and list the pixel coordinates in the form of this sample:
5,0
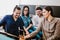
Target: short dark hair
23,11
16,7
48,8
38,8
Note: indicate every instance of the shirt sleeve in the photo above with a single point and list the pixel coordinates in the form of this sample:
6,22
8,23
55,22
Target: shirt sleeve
3,21
31,22
36,31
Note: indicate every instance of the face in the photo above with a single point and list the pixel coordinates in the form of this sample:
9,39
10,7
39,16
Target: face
46,13
38,12
16,13
25,11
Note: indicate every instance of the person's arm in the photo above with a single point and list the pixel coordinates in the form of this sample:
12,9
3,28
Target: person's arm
35,32
3,21
26,29
21,28
56,33
30,25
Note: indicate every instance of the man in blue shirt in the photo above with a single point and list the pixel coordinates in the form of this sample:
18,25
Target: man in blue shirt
12,23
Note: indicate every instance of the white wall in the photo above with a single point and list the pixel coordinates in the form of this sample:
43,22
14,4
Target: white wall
6,6
40,2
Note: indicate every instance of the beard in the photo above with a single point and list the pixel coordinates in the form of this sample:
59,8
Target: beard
16,16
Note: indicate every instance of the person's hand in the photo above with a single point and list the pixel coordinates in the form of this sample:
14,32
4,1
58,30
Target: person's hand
26,31
21,37
27,36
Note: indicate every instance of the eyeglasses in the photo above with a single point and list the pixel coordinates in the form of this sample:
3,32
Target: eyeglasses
25,10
